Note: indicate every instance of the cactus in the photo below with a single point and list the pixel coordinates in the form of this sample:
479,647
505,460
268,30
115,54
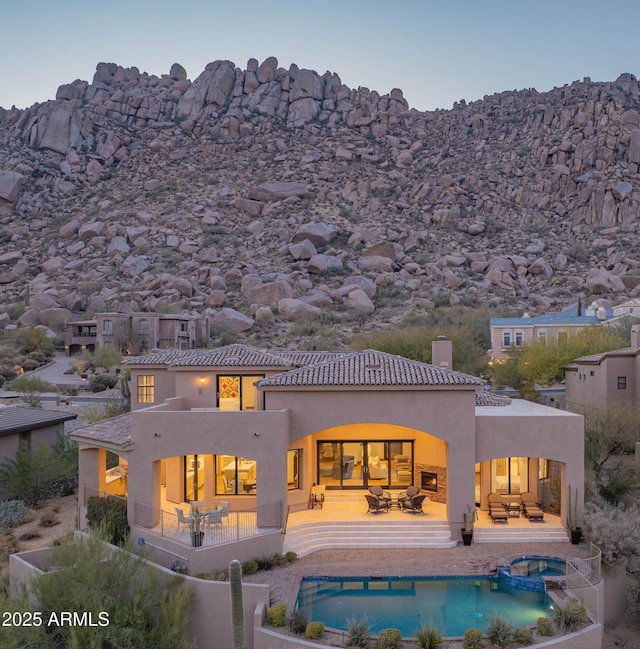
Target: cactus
469,518
572,515
237,610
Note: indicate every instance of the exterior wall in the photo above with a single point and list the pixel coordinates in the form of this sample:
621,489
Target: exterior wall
159,433
535,431
446,414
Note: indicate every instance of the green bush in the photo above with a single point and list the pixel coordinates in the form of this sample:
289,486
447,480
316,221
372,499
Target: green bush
429,637
100,382
12,513
8,544
472,639
358,633
250,567
389,639
109,515
298,622
499,631
315,630
545,626
291,556
523,637
571,616
265,562
277,615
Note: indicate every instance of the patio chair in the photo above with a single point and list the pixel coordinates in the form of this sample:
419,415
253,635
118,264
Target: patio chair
409,493
377,490
183,519
225,506
529,501
413,504
498,513
376,504
213,517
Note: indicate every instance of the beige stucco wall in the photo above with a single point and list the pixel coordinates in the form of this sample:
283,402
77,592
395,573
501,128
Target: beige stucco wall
529,429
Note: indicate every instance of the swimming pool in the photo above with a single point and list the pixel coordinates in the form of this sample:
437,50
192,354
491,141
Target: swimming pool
453,604
539,567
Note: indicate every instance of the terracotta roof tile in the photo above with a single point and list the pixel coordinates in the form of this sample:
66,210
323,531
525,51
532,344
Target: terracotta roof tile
115,431
484,398
372,368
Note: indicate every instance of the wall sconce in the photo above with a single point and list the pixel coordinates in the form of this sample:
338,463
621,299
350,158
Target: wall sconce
202,380
156,434
257,434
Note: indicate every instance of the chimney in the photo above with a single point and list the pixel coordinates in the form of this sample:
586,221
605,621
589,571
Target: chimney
442,353
601,313
635,337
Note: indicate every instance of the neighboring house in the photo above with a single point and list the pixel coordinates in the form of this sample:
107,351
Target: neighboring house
600,380
630,308
259,428
21,423
508,334
136,333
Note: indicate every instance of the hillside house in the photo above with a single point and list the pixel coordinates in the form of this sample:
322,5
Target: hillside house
258,429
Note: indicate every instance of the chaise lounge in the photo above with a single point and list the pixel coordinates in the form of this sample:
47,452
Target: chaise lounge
497,512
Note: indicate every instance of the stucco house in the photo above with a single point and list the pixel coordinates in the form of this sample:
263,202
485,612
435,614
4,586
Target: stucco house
600,380
508,334
258,429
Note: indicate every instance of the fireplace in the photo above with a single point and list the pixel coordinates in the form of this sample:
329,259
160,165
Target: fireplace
429,481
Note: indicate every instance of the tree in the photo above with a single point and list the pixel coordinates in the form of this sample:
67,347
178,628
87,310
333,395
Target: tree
30,473
131,604
29,389
107,356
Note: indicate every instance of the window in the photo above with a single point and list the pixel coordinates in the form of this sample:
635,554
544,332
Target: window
543,468
107,326
509,475
183,327
562,337
622,383
293,469
143,326
506,339
518,338
235,475
146,388
542,337
238,392
591,373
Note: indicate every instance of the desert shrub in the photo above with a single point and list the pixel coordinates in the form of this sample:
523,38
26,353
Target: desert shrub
265,562
314,630
389,639
358,633
8,544
28,364
298,622
571,616
613,530
499,631
523,637
13,513
545,626
250,567
429,637
109,515
278,559
49,519
101,382
472,639
29,536
277,615
291,556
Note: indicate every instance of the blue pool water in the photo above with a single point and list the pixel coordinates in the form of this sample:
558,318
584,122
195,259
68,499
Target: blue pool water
453,604
539,567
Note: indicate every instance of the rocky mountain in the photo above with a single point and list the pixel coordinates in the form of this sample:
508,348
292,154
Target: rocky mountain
269,196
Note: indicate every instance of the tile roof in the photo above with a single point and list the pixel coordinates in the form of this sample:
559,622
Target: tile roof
484,398
20,418
597,358
301,359
567,317
369,367
228,356
115,431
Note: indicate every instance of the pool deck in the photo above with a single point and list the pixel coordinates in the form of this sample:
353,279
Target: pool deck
477,559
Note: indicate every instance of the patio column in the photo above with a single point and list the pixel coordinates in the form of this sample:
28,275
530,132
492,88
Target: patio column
460,485
144,495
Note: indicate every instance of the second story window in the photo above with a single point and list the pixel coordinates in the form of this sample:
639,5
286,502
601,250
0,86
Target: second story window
146,392
622,383
107,326
144,326
506,339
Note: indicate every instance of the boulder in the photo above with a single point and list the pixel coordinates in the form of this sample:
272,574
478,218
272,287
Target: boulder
321,264
269,293
318,233
601,281
55,316
357,299
268,192
10,185
376,264
303,250
230,320
297,310
361,282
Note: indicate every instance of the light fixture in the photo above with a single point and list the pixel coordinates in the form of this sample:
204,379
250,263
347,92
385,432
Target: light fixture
202,380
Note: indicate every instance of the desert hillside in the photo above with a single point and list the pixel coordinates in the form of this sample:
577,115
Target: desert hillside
268,197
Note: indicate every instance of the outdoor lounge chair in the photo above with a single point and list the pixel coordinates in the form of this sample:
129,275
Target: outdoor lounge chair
377,490
376,504
534,513
413,504
498,513
528,502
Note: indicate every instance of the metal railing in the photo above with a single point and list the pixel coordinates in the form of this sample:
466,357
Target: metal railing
582,575
236,526
90,491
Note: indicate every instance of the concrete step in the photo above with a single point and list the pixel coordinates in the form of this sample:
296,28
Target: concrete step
520,535
310,537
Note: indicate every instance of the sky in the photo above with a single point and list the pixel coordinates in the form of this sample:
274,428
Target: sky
437,52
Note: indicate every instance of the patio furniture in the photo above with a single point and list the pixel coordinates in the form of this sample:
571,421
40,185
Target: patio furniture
213,517
376,505
513,509
316,497
409,493
183,519
529,501
377,490
413,504
225,506
498,513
